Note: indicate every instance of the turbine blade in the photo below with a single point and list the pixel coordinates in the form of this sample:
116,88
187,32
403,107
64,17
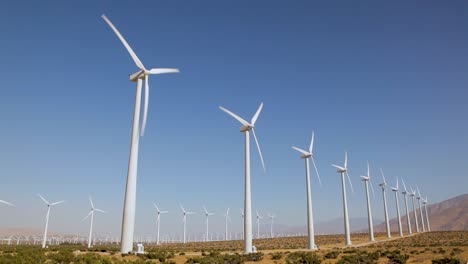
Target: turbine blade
397,182
163,70
91,201
145,107
383,176
227,213
301,150
259,151
254,118
164,212
43,199
238,118
124,42
102,211
181,207
368,170
316,170
346,160
404,185
90,212
311,147
206,211
57,203
338,167
156,207
372,188
350,183
5,202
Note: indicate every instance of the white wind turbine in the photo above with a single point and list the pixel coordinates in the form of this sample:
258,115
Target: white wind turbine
207,215
395,190
184,219
309,155
384,193
420,209
49,205
413,194
427,215
91,213
272,217
242,214
405,194
258,224
128,222
366,180
246,128
226,218
342,171
158,221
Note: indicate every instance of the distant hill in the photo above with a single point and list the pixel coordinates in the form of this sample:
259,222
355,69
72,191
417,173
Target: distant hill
448,215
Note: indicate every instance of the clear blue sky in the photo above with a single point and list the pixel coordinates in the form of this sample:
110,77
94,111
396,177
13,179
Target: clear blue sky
385,80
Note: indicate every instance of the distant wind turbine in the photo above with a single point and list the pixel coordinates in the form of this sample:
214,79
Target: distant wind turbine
408,220
309,155
158,221
207,215
272,218
49,205
342,171
366,180
7,203
258,224
246,128
226,218
128,222
384,193
415,213
427,215
395,190
91,213
420,209
184,220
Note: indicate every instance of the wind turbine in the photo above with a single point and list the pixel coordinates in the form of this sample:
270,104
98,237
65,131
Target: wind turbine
246,128
384,193
272,217
184,219
128,222
366,180
342,171
226,217
413,194
258,224
395,190
242,213
207,214
158,221
427,215
420,209
405,194
49,205
5,202
91,213
307,155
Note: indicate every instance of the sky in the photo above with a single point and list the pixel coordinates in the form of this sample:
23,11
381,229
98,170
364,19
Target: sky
384,80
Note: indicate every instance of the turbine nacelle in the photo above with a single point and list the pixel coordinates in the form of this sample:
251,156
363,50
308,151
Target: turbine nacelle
365,178
246,128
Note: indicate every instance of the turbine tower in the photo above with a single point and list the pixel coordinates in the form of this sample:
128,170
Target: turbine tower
158,221
366,180
242,213
49,205
128,221
342,171
258,224
272,217
395,190
384,193
309,155
420,209
405,194
227,218
246,128
427,215
207,215
413,194
184,219
91,213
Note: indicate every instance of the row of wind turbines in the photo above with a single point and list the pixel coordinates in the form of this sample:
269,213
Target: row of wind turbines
128,222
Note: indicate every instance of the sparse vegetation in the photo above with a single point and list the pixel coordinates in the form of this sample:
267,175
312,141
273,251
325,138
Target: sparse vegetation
303,258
